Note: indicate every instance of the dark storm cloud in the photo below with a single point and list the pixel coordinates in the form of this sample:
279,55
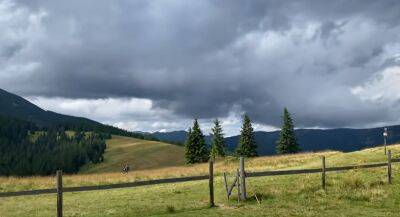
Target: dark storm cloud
202,58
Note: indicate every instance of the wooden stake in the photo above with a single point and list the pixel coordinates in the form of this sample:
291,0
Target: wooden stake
389,166
238,184
59,194
226,186
255,195
211,184
323,173
242,179
232,186
384,141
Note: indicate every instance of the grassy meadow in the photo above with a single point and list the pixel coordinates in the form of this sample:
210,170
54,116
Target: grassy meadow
359,192
139,154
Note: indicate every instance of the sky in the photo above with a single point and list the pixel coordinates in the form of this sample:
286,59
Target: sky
156,65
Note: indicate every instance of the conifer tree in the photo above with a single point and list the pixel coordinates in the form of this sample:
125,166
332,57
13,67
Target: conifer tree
196,149
247,144
218,143
188,147
287,142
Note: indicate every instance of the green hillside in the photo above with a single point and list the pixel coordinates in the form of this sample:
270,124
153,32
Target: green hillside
139,154
349,193
14,106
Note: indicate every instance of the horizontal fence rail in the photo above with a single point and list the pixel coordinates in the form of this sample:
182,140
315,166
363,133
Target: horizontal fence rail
317,170
104,187
186,179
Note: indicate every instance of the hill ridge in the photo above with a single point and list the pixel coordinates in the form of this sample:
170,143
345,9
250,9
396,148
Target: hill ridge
14,106
339,139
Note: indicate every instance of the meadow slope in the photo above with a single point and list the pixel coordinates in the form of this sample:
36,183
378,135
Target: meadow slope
350,193
139,154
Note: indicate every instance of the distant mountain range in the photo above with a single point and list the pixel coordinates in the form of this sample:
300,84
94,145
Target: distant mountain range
342,139
173,136
14,106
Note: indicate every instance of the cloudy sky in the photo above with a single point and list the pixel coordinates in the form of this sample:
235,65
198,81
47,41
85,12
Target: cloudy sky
155,65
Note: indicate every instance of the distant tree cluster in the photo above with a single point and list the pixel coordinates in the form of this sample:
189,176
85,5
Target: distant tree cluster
196,150
22,155
100,129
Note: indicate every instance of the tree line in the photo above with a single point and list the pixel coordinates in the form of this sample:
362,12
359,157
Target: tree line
196,150
85,126
26,150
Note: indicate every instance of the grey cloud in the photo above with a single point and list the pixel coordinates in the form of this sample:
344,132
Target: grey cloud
202,58
10,50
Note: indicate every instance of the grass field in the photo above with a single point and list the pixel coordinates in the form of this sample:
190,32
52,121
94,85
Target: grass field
139,154
351,193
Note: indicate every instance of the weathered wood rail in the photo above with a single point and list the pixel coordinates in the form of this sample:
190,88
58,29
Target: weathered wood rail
104,187
317,170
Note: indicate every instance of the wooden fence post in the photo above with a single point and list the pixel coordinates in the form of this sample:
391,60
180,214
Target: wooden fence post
234,183
323,173
238,184
59,194
226,185
242,179
384,141
389,166
211,184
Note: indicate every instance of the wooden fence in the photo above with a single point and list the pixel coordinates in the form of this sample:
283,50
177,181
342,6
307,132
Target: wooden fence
239,180
104,187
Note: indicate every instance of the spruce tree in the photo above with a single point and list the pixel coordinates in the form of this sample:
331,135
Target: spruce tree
218,143
287,142
196,149
189,150
247,144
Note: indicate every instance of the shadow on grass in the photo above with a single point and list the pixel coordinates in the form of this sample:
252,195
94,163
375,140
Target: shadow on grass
251,199
171,210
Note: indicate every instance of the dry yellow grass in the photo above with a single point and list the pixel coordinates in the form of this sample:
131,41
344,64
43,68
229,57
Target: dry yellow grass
229,164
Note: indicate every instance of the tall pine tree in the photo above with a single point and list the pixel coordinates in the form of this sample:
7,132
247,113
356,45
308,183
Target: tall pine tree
247,144
188,147
287,142
218,143
196,149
